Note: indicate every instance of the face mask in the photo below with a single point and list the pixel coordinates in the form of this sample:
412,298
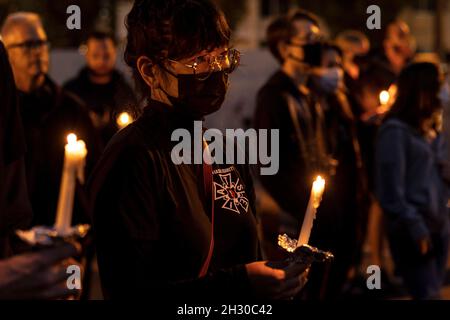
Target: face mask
444,94
329,80
200,97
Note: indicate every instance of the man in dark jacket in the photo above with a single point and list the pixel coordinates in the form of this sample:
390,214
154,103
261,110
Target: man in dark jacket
48,113
285,103
101,87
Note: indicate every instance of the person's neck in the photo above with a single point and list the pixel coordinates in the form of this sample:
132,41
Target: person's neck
28,85
298,78
97,79
158,95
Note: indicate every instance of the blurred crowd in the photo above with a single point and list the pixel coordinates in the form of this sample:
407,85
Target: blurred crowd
372,119
368,119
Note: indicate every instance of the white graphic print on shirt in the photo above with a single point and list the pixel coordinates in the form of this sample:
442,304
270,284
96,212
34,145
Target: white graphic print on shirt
229,190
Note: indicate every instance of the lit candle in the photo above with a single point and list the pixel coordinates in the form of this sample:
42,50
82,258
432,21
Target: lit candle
74,162
314,203
124,119
385,96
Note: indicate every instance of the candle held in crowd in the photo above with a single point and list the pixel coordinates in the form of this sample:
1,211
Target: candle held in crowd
384,97
124,119
73,169
314,203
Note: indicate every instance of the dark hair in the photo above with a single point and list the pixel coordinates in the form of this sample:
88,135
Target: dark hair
100,35
175,29
417,94
374,78
280,30
300,14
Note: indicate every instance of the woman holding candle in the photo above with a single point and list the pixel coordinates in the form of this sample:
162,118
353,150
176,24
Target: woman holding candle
179,231
411,184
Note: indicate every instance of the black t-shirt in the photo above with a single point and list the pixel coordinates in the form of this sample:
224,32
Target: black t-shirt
152,219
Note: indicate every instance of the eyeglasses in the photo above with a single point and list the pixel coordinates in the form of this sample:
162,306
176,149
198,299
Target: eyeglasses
203,66
30,45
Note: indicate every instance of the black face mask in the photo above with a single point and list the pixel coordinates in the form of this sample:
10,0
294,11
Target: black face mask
200,97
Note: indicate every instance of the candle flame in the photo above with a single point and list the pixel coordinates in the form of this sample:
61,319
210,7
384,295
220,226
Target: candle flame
124,119
385,96
317,191
72,138
319,183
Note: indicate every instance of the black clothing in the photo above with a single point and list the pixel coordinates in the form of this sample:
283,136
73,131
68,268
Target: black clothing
341,220
15,211
152,226
302,150
105,101
49,114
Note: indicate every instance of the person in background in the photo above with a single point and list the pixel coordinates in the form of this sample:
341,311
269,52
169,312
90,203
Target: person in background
285,103
103,88
48,114
340,225
36,275
369,113
397,51
354,45
412,182
366,107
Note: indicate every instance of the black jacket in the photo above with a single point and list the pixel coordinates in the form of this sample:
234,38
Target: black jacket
152,219
303,154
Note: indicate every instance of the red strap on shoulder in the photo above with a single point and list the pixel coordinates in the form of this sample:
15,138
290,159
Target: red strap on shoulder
207,184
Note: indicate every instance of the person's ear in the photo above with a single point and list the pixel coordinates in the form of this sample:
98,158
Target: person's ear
283,49
145,68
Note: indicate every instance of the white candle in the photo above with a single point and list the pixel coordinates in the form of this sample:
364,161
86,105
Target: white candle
314,203
124,119
74,162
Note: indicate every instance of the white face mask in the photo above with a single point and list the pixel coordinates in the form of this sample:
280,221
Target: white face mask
328,80
444,94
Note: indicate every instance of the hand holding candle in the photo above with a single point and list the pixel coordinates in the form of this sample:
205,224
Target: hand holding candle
314,203
74,162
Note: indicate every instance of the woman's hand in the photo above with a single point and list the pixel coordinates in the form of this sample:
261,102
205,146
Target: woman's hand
277,280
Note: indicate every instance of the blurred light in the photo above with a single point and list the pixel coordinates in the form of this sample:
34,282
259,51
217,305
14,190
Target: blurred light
384,97
72,138
124,119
